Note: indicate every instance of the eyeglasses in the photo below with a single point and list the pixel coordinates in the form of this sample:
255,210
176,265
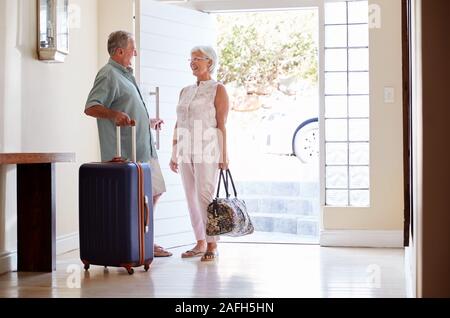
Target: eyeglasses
196,59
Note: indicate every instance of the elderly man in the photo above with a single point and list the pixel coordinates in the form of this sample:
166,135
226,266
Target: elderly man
114,100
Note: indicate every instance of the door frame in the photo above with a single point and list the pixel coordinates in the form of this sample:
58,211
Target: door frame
407,124
267,5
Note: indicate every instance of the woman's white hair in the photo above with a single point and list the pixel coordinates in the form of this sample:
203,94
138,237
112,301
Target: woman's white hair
210,53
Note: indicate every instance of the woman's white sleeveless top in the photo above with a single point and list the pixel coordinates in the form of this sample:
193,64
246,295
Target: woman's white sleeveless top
196,118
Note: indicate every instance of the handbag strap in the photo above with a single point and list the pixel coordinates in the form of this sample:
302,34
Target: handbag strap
228,173
222,177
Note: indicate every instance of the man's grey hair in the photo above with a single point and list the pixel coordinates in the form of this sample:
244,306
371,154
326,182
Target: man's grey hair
118,40
210,53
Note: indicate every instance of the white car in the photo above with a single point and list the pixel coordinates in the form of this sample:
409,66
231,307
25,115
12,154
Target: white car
288,134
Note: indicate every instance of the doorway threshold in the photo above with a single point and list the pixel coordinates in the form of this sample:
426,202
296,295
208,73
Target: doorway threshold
271,238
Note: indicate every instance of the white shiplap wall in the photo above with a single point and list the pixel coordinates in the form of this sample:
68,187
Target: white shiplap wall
165,35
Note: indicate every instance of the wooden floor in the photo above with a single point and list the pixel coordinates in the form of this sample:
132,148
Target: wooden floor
242,270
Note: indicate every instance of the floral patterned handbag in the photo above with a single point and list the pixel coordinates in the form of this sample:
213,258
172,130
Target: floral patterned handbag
228,216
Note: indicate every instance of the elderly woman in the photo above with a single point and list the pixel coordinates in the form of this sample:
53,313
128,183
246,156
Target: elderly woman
200,145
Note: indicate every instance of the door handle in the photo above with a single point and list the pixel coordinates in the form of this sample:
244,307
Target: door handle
156,94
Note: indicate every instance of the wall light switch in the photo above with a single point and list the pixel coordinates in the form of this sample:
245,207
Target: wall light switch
389,95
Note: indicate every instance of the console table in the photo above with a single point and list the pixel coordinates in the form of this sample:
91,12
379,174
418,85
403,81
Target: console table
36,209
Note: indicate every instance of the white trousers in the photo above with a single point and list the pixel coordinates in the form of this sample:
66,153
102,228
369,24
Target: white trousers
199,182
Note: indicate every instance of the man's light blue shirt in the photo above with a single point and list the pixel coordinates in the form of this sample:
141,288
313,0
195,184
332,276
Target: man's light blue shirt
115,88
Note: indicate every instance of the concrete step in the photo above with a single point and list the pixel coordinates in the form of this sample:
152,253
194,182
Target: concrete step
294,189
271,238
281,205
299,225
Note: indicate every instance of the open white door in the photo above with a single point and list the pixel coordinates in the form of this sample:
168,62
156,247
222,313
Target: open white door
165,34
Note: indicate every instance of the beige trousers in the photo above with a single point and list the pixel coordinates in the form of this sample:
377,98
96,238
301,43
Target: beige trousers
158,184
199,182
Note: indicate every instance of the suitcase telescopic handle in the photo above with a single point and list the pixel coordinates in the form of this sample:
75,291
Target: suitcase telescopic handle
133,141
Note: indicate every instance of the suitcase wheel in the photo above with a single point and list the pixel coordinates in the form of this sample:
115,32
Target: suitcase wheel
129,268
146,267
86,264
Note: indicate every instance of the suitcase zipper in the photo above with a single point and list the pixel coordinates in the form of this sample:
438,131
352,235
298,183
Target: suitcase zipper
141,213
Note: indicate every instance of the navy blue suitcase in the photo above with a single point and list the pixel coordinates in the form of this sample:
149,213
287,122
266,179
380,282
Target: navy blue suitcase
116,214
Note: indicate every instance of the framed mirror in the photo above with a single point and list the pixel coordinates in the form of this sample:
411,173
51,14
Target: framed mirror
53,30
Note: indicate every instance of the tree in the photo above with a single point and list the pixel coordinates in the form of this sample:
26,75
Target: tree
257,50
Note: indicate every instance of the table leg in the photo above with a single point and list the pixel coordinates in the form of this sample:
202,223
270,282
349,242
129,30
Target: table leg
36,240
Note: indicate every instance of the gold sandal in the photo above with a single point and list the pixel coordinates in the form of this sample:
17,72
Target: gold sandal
192,253
209,256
